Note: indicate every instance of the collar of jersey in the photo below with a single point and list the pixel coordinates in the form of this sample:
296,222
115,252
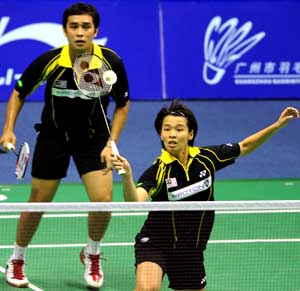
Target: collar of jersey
167,158
65,60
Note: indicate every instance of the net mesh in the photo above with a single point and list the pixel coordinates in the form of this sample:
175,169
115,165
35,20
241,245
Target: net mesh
254,245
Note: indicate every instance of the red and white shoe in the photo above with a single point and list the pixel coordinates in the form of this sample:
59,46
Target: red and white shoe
93,274
15,274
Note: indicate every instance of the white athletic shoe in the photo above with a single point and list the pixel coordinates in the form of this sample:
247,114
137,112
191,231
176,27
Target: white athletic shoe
15,274
93,274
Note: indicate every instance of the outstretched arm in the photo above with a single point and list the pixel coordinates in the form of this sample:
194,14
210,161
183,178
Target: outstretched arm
13,109
131,193
255,140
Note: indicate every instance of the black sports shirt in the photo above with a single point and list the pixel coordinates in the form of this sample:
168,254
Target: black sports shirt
168,180
66,108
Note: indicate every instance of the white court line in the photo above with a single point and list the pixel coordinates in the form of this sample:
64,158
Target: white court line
31,286
238,241
37,246
292,240
125,244
257,240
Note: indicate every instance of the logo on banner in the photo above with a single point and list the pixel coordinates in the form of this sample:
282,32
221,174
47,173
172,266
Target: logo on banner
225,43
45,32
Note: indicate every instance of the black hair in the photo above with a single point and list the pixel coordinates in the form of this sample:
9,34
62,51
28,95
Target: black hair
81,8
177,109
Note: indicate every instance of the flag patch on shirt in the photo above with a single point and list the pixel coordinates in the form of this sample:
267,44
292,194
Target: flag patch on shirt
60,84
171,182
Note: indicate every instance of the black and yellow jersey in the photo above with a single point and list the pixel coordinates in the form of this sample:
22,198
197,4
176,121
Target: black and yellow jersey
168,180
66,108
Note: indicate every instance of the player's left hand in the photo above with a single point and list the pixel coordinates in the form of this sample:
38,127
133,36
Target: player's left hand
287,114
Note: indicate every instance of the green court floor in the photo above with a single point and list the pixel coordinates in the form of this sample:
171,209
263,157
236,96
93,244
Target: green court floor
246,251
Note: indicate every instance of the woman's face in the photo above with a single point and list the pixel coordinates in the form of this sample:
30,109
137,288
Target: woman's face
175,134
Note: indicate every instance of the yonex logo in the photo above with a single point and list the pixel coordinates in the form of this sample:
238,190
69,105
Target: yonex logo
202,174
224,43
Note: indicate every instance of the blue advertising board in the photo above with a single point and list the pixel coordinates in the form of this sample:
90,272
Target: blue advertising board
31,28
186,49
232,49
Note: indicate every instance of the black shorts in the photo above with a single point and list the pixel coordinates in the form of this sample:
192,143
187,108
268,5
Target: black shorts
184,267
53,152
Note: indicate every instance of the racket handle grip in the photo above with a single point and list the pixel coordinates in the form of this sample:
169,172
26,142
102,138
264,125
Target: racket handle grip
116,152
121,172
10,146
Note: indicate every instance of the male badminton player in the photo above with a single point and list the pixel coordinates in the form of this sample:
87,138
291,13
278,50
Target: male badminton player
173,242
72,126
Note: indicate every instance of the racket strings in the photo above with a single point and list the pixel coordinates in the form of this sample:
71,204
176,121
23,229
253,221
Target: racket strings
88,74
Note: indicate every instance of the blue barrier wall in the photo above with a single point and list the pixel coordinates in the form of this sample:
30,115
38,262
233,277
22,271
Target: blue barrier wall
188,49
219,122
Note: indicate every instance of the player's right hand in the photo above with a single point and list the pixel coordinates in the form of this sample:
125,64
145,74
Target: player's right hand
118,162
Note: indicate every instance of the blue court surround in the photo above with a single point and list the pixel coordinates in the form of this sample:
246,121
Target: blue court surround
219,122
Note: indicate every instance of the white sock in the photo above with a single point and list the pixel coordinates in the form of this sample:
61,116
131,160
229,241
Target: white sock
19,252
93,247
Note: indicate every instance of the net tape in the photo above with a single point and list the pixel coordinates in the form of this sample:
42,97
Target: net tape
286,205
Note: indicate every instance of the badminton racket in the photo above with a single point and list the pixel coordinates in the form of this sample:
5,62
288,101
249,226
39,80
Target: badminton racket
94,78
22,158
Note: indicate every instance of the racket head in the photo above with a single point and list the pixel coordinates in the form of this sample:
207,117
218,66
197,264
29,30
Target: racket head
92,76
22,161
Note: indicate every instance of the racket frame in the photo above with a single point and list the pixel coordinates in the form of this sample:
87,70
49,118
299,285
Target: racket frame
22,161
22,158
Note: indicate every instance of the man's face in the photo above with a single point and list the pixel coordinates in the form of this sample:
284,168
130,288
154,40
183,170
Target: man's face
80,32
175,134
